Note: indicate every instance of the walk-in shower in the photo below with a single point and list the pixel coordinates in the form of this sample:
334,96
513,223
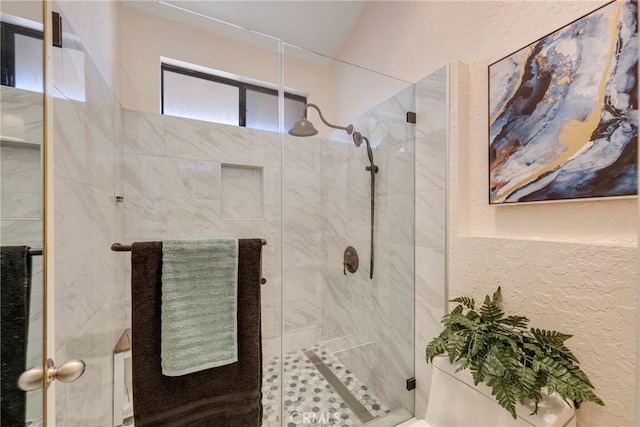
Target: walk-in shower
336,349
304,128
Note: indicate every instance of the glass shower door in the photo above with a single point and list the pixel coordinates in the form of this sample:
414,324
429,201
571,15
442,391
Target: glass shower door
89,302
348,337
21,213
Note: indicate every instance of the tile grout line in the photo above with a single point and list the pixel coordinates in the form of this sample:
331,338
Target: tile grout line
352,402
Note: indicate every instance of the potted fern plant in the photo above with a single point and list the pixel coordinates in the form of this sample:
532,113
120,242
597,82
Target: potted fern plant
514,360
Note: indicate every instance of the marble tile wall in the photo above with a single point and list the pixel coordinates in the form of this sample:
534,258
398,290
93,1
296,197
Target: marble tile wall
432,105
90,291
173,190
21,125
369,323
302,235
21,114
173,183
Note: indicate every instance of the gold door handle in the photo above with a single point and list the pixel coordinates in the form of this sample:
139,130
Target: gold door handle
68,372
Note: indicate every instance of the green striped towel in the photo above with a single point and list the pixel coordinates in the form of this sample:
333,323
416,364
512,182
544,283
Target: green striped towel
199,305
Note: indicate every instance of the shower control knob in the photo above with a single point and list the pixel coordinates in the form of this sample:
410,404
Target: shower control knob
350,260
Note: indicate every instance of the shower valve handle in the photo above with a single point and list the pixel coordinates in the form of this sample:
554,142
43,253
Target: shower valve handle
350,260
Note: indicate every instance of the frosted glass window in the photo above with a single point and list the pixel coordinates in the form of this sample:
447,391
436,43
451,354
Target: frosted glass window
195,98
198,95
262,111
28,63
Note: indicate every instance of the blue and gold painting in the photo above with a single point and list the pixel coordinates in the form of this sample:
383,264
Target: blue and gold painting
563,112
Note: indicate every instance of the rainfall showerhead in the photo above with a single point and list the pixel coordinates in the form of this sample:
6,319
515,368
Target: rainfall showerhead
303,127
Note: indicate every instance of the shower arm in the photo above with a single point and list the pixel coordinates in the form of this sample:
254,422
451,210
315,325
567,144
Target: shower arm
347,129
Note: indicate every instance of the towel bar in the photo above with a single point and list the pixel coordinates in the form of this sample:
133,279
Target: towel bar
119,247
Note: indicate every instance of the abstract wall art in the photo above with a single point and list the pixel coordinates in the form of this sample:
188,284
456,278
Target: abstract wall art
563,112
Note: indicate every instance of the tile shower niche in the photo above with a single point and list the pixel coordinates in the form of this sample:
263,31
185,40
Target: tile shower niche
242,192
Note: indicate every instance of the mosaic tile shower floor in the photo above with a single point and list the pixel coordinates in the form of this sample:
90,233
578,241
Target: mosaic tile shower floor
309,399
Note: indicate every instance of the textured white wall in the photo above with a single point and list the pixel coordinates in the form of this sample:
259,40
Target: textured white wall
587,290
568,266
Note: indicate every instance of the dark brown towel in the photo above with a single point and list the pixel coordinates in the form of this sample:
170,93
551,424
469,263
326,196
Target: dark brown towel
15,269
227,396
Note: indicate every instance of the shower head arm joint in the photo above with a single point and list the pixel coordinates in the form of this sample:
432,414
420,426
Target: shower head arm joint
348,129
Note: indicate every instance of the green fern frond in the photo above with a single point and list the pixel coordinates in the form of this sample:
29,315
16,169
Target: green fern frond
587,395
497,296
479,370
564,352
528,388
505,393
466,301
567,379
546,364
575,370
458,309
490,312
473,315
551,338
460,322
532,347
464,364
500,362
455,346
437,346
515,321
476,344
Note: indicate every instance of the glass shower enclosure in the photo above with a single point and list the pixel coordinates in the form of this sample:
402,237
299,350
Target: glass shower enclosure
337,336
